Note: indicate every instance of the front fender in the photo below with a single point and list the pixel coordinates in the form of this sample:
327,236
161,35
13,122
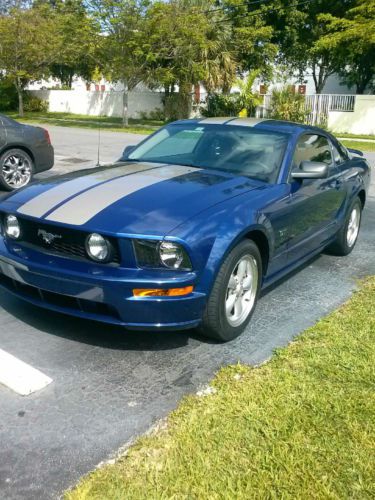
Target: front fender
214,233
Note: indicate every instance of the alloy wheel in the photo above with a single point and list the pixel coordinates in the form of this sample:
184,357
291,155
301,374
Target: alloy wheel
16,170
241,290
353,226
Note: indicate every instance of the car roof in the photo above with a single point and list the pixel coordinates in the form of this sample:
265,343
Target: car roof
259,123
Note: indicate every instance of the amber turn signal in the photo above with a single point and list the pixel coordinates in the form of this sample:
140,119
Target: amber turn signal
160,292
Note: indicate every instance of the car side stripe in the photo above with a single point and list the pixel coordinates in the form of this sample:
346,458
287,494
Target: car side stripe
47,201
85,206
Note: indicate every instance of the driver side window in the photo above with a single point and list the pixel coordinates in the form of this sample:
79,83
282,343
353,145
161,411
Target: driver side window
312,147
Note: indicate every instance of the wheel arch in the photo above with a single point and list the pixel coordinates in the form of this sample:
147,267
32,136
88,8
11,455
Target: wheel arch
259,236
27,150
362,197
261,241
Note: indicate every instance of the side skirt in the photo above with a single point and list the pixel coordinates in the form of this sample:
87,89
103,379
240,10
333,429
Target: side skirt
271,280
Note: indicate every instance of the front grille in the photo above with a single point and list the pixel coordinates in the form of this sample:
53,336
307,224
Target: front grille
59,300
68,242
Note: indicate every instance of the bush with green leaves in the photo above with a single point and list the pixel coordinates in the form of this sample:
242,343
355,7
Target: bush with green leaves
287,105
232,104
156,114
222,105
34,104
8,95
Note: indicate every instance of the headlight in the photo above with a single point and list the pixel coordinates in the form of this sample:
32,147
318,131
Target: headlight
151,253
98,248
12,227
173,255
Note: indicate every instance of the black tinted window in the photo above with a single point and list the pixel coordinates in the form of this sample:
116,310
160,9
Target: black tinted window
343,151
312,148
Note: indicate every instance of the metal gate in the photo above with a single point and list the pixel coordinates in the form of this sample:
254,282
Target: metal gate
317,106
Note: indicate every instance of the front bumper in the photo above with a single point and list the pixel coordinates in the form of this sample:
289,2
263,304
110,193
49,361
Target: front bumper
98,293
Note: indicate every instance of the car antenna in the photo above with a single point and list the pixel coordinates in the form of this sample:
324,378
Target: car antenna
99,130
98,158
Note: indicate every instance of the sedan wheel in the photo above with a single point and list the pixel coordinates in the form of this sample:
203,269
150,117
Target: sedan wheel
234,294
16,169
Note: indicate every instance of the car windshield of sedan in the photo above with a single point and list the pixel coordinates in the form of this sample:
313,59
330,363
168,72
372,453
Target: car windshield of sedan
239,150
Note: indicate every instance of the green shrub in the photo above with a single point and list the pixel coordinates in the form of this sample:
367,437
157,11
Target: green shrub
222,105
34,103
156,114
287,105
8,95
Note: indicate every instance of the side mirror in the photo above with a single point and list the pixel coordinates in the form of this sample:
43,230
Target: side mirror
127,152
355,151
311,170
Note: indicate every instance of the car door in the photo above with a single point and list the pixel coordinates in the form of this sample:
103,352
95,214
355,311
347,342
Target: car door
314,203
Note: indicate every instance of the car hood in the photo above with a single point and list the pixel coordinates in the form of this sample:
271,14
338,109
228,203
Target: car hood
128,198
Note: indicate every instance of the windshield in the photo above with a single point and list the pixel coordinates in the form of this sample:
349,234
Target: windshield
239,150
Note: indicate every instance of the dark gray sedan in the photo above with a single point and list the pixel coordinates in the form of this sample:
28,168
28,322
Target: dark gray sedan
24,151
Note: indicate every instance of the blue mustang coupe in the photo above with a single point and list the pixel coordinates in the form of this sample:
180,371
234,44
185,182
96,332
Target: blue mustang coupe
187,228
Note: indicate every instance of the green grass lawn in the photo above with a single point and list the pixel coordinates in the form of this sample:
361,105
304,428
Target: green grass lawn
354,136
301,426
112,124
362,146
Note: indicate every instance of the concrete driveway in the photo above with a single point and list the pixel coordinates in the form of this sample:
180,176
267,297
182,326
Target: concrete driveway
110,385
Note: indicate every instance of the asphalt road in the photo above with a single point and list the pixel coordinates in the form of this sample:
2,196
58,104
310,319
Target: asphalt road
110,385
78,148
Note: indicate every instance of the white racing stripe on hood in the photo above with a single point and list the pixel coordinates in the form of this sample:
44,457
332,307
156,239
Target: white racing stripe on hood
46,201
247,122
84,207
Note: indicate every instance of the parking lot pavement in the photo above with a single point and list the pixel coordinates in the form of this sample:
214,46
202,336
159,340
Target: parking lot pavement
77,148
110,385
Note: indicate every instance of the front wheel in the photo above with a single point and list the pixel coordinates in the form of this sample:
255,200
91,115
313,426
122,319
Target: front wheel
234,294
16,169
347,236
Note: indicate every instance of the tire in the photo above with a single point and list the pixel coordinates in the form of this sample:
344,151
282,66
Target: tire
16,169
219,324
347,236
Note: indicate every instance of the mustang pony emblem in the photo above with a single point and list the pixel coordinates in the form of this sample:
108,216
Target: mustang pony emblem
48,237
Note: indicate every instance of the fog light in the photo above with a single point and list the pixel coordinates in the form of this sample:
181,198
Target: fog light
159,292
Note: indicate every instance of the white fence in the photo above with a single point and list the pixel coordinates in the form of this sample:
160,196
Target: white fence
318,106
340,113
360,121
110,103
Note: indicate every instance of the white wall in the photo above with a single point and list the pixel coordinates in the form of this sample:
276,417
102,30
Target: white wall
99,103
361,121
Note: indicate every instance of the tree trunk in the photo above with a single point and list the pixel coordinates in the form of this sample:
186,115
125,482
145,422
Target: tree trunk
125,104
70,80
320,75
362,84
185,100
20,98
